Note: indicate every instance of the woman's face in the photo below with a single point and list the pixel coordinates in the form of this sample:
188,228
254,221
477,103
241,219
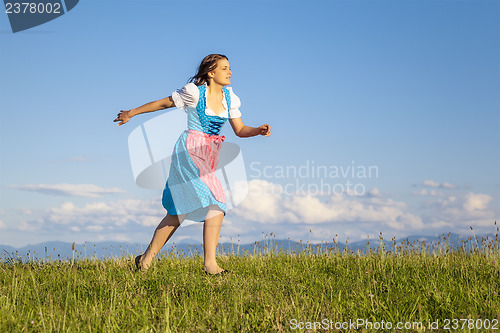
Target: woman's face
222,73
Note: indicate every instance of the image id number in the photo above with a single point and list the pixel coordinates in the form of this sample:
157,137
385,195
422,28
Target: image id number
470,324
32,8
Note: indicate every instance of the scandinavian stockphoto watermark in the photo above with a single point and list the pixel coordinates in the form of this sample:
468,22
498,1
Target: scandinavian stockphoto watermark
26,14
382,325
311,178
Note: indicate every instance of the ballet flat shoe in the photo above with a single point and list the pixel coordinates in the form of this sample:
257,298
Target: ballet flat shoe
138,262
221,273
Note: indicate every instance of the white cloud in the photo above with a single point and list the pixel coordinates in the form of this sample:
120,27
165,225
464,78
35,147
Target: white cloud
460,211
457,210
77,190
474,202
432,193
116,213
372,212
267,208
431,183
265,204
94,228
374,192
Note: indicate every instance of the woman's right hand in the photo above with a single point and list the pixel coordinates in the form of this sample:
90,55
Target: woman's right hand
124,116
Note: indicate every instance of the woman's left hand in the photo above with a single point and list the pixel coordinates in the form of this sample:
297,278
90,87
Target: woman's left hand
265,130
122,117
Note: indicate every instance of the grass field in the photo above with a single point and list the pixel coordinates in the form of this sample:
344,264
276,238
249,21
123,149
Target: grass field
316,290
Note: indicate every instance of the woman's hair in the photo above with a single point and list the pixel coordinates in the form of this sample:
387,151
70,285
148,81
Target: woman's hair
208,64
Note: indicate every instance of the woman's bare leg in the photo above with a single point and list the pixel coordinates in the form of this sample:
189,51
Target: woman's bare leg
211,232
162,234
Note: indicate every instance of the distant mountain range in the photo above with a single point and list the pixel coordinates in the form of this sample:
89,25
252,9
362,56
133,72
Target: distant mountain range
63,251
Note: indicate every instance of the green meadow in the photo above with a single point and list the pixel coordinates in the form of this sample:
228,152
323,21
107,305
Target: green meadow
408,288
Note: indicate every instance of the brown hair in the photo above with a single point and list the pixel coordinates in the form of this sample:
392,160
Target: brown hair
208,64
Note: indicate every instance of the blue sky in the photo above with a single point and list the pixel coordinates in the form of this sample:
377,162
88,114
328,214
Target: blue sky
410,87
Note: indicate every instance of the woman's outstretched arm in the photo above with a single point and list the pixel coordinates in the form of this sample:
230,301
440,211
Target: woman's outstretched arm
124,116
246,131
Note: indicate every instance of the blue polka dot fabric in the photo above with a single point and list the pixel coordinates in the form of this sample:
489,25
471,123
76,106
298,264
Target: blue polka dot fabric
192,186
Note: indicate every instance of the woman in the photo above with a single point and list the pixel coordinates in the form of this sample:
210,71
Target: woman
192,190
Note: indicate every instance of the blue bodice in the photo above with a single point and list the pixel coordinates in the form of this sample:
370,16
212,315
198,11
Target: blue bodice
200,121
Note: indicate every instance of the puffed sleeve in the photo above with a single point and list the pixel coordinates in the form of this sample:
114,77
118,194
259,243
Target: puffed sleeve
186,97
234,111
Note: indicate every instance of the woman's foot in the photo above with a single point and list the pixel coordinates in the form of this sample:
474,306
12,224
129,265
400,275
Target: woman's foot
214,270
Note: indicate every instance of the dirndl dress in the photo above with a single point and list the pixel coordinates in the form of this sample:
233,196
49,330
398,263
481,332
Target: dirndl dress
192,185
